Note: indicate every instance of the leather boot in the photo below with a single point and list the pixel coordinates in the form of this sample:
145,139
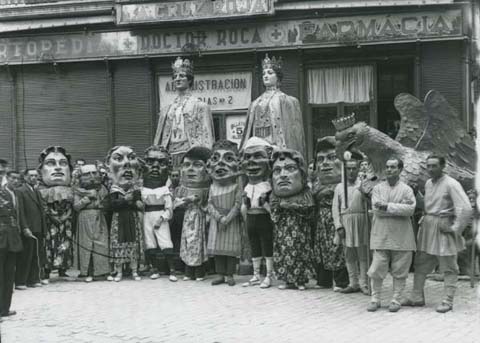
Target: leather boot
352,270
362,278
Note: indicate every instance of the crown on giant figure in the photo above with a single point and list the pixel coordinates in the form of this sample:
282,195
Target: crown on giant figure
182,65
344,122
272,63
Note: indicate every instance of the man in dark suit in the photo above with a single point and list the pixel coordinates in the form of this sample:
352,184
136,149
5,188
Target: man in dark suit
10,241
32,225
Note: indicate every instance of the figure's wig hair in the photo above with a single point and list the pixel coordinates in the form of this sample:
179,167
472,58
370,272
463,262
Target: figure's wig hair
198,153
54,148
225,144
282,154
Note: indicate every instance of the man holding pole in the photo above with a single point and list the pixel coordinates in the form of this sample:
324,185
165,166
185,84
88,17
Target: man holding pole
351,224
392,237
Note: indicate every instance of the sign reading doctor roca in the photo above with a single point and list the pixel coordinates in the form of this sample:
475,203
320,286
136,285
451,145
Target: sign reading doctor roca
222,91
286,34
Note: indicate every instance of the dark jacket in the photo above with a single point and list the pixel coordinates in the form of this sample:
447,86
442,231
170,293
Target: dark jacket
31,211
9,230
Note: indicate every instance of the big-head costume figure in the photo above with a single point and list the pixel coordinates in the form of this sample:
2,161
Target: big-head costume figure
126,232
192,195
55,170
274,115
328,254
293,214
158,202
91,225
224,200
187,122
255,159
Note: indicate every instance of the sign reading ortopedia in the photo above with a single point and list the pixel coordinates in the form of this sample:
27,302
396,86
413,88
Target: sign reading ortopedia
257,35
222,91
190,10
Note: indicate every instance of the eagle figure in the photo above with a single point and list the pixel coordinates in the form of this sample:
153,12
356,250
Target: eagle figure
429,127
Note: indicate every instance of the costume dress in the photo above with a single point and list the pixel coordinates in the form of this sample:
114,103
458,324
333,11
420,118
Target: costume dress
329,256
185,123
58,201
277,118
193,245
126,232
293,219
224,241
91,231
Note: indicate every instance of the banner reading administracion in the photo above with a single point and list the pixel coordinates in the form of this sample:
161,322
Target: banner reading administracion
222,91
317,32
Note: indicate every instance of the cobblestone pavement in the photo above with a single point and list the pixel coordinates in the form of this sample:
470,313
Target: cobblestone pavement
190,311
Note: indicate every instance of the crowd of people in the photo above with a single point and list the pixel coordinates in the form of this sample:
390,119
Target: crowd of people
189,198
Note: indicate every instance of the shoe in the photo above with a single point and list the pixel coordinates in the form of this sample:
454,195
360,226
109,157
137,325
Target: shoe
118,278
173,278
110,278
45,282
266,283
444,307
9,313
154,276
136,277
301,287
254,281
199,279
364,290
231,281
373,306
337,289
21,287
88,279
218,281
394,306
186,278
414,303
350,289
286,286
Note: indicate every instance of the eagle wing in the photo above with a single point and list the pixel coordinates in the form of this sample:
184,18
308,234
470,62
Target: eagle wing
447,133
414,120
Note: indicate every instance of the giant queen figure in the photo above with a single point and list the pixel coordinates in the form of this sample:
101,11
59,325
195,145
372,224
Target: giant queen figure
275,116
186,122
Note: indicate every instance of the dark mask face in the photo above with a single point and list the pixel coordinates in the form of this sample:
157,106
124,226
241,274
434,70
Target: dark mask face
157,167
255,163
194,173
287,178
90,177
223,166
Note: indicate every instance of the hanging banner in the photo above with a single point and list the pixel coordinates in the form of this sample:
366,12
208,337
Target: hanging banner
153,12
222,91
317,32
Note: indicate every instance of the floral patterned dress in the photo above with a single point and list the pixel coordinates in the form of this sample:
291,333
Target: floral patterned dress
193,245
325,251
58,202
293,220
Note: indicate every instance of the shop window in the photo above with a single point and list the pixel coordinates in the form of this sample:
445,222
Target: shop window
336,91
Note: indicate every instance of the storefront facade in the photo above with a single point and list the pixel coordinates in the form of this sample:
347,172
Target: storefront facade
100,83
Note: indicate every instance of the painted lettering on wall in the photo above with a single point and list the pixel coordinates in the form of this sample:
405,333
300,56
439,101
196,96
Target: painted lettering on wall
256,35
